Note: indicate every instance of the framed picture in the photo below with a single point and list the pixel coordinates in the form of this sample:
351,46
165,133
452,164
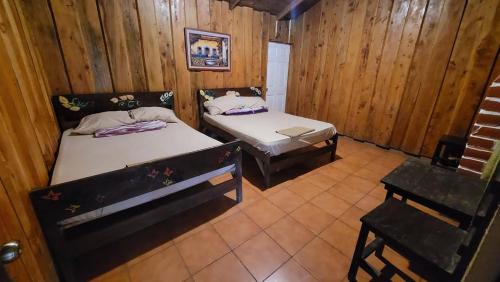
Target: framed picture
208,50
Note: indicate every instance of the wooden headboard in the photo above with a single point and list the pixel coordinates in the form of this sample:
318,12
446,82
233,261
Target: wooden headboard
203,94
70,109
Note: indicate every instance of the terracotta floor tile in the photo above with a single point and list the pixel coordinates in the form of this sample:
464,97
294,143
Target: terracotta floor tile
351,217
249,196
312,217
323,261
290,234
375,152
369,174
276,188
357,160
286,200
346,193
119,274
397,260
261,255
345,166
202,249
359,183
166,265
341,237
368,203
331,204
264,213
191,232
379,192
321,180
305,189
225,214
379,168
291,272
150,253
228,268
333,172
236,229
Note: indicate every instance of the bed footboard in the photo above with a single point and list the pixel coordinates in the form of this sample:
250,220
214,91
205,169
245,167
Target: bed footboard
79,216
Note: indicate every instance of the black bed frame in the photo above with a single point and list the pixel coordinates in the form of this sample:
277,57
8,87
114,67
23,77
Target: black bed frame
267,164
57,203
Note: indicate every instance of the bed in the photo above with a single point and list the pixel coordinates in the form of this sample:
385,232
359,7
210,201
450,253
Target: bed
103,189
272,151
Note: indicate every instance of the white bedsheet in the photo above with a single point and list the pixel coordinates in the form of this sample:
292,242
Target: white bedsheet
259,130
83,155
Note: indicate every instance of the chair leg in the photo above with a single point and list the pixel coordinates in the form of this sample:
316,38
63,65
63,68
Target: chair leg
358,253
437,153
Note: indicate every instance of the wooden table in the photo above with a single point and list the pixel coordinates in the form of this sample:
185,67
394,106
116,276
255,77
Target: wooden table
456,196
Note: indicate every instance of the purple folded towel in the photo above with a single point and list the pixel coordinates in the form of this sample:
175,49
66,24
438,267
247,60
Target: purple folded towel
245,111
131,128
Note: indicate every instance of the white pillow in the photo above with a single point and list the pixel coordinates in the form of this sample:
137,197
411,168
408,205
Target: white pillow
153,113
253,102
94,122
222,104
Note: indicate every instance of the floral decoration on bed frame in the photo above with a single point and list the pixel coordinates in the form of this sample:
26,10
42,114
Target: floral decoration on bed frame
166,98
72,208
167,173
74,104
207,94
256,91
126,101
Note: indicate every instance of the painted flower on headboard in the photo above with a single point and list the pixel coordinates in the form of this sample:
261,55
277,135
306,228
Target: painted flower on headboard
256,91
166,98
74,104
126,101
207,94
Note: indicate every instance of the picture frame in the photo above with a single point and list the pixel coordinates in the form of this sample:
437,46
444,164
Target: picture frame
207,51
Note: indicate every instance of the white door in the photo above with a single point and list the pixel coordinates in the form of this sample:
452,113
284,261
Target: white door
277,75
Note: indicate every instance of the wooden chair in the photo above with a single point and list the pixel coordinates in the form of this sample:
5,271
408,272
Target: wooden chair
437,251
448,151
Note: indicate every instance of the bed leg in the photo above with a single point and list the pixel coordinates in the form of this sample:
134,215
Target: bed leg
67,269
267,171
238,175
334,149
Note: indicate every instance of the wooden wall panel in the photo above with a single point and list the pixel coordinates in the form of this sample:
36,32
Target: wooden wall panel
81,38
42,27
398,73
120,23
133,45
28,140
441,50
467,72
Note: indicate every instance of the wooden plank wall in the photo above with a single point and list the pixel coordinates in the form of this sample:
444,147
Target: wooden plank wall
398,73
29,138
87,46
130,45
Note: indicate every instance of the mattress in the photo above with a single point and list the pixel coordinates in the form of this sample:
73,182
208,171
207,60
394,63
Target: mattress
83,155
259,130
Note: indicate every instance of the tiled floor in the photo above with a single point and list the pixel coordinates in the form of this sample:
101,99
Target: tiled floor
302,229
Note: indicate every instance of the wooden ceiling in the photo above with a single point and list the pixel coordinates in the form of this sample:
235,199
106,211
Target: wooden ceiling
283,9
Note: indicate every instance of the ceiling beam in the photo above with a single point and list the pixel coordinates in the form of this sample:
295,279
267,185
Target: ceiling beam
295,9
233,3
